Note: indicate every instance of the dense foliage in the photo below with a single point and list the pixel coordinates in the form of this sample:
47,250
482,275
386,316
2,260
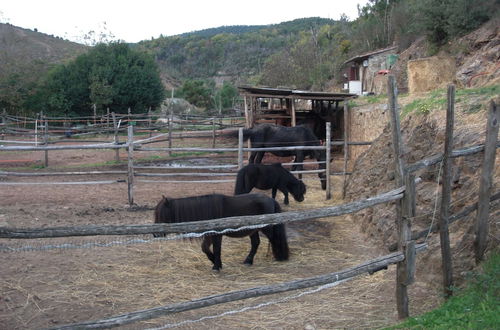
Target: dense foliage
306,53
109,76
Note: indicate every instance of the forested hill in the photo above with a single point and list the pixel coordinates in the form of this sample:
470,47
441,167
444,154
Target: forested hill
237,52
32,51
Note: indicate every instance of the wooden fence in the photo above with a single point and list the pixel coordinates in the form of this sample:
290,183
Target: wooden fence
404,195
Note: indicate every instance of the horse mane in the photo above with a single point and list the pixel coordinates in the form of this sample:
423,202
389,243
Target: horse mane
187,209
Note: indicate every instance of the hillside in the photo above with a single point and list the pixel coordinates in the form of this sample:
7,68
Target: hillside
235,53
25,58
24,49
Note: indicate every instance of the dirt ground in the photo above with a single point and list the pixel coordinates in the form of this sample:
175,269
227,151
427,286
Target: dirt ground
45,288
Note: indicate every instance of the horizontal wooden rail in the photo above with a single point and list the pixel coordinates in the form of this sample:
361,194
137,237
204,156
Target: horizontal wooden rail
370,267
202,226
465,212
439,157
5,173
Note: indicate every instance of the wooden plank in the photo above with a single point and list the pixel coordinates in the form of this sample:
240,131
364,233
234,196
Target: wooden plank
486,182
201,226
328,163
402,221
240,148
366,267
346,148
446,196
434,228
130,165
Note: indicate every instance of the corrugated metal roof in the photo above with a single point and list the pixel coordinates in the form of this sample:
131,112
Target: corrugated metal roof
367,55
283,92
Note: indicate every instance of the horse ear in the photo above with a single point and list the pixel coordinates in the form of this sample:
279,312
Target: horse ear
165,200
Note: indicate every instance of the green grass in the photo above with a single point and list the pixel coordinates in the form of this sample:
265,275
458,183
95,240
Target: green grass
477,306
436,100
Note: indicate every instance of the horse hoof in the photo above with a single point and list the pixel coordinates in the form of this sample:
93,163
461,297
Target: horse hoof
248,263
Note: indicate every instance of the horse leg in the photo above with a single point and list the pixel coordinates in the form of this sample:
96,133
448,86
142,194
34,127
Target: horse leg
285,192
255,241
217,245
299,158
274,191
251,159
259,157
205,247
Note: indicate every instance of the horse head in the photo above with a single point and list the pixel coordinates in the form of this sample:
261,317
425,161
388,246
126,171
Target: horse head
298,190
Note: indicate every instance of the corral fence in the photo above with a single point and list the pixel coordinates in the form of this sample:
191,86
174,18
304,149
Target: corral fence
403,195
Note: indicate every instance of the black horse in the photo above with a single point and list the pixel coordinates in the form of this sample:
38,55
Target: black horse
216,206
269,135
274,177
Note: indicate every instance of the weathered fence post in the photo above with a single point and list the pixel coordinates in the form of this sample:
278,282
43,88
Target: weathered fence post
107,123
115,137
240,148
46,141
130,164
485,184
403,211
170,124
150,115
213,132
4,124
346,147
327,159
446,195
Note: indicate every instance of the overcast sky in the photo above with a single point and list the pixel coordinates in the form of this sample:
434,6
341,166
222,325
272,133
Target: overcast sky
133,21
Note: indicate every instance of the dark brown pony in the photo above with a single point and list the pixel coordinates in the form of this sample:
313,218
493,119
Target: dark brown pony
269,135
215,206
273,176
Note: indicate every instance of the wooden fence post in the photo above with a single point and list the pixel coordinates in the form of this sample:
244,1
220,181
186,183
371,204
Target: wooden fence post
115,137
327,160
403,279
170,124
46,141
240,148
213,132
130,165
446,195
485,184
107,123
346,147
4,124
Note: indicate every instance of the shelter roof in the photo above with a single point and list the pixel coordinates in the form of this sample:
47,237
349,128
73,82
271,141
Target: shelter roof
293,93
365,56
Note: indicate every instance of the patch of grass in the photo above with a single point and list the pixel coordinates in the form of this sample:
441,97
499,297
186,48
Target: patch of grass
487,91
436,100
376,98
475,307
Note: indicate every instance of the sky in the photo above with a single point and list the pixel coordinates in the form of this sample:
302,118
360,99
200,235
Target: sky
133,21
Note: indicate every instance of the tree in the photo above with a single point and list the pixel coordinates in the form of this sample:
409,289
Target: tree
196,92
110,76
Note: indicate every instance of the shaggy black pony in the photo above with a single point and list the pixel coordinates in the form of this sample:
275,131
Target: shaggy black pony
273,176
215,206
269,135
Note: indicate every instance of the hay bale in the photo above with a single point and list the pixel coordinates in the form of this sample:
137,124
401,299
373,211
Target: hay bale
430,73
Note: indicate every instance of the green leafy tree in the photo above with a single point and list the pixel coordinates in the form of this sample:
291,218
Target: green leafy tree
110,76
196,92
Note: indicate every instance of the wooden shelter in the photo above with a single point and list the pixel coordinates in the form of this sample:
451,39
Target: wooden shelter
290,107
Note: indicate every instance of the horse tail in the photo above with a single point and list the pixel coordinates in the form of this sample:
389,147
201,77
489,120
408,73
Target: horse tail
279,244
240,186
277,237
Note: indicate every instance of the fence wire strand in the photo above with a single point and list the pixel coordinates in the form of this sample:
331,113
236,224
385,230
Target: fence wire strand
133,241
